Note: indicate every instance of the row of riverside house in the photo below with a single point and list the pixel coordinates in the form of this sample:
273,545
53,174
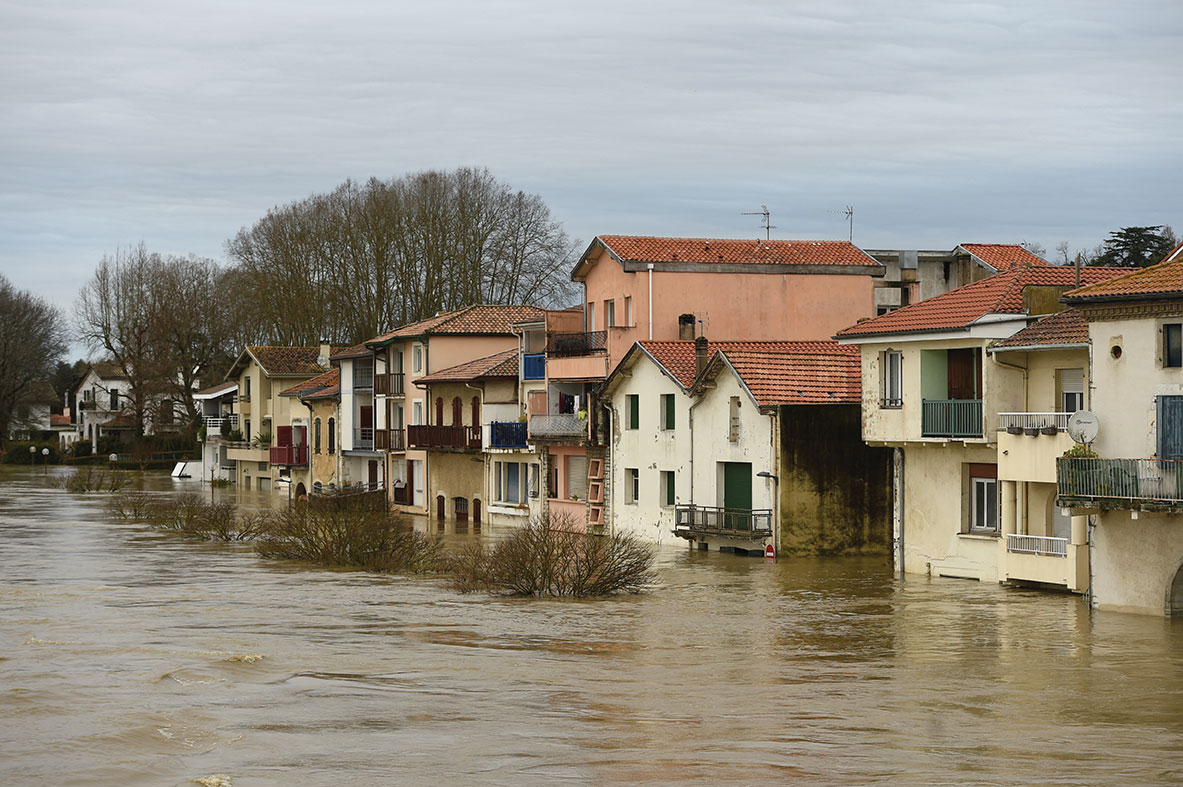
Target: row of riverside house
807,395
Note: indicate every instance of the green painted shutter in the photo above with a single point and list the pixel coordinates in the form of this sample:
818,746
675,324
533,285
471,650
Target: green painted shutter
668,400
1170,427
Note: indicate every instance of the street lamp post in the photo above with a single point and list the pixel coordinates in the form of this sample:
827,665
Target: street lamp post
45,459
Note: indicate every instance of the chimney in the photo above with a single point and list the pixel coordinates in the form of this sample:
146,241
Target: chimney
325,351
685,327
700,354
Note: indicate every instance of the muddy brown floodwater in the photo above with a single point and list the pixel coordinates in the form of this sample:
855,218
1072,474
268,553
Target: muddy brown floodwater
130,657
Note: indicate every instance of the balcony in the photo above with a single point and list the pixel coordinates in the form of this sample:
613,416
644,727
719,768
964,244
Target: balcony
213,424
363,376
1129,484
453,437
551,426
289,455
1033,423
955,418
247,452
568,345
389,384
534,366
698,522
507,434
363,438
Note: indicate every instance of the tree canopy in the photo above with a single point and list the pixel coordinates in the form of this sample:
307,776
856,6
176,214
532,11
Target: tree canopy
1136,247
32,340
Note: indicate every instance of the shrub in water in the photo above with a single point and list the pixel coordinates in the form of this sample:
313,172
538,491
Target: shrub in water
92,478
550,558
360,536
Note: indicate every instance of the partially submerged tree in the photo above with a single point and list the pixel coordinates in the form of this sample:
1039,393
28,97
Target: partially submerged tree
32,340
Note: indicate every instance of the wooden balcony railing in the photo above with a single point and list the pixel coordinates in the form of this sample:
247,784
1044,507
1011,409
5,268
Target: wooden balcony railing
460,437
694,522
1119,483
951,418
289,455
389,384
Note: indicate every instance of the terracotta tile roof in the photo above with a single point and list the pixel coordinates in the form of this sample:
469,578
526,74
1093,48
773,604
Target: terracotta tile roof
637,248
1166,278
59,420
1002,293
502,364
1063,328
1003,256
216,390
120,422
322,386
678,356
833,376
471,321
108,370
356,351
287,361
1174,253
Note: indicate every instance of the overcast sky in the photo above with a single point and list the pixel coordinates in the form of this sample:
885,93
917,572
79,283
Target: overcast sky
939,121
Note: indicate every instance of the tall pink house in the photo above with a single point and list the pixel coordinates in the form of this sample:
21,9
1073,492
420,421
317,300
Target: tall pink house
676,288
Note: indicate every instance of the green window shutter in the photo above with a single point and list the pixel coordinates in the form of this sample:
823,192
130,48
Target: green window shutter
634,412
1170,427
668,401
669,488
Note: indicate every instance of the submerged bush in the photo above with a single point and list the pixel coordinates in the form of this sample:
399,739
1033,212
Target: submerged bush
188,515
95,478
550,558
360,536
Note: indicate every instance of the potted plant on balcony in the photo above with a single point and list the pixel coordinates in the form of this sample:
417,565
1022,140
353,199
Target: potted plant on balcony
263,439
1049,429
1031,431
1014,429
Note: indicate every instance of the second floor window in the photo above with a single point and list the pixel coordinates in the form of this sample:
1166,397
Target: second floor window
115,400
633,404
668,418
316,436
892,384
332,435
417,358
609,314
1172,345
1071,390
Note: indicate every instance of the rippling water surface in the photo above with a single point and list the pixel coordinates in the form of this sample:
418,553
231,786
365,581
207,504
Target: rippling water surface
130,657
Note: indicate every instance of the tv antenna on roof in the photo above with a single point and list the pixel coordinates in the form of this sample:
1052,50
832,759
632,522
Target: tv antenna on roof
767,225
849,214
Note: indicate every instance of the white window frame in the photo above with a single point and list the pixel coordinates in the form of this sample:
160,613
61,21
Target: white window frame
667,479
632,485
987,490
416,358
665,425
892,382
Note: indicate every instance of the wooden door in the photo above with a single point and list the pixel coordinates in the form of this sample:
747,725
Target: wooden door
963,377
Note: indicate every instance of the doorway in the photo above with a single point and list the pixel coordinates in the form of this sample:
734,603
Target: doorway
737,495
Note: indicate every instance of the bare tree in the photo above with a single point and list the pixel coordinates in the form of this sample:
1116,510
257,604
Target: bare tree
32,340
365,257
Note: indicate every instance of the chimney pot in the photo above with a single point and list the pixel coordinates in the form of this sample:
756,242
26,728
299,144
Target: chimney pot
700,355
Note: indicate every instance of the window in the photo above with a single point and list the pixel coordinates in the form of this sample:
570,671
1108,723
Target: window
633,407
591,315
439,411
1172,345
733,421
667,412
628,311
246,429
984,501
609,314
1170,427
476,410
115,400
248,388
332,435
316,436
667,490
577,477
417,411
891,386
533,484
632,485
513,482
87,395
457,412
417,358
1071,384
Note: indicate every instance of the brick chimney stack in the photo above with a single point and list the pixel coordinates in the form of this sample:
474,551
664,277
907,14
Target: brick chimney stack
700,355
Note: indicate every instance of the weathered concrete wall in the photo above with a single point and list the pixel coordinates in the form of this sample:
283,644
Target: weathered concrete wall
456,475
835,491
1135,560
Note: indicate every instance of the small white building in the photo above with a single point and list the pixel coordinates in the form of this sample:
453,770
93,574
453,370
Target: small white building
217,419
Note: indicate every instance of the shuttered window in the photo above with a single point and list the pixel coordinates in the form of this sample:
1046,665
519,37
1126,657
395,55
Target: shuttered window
634,411
577,477
1071,390
1170,427
667,411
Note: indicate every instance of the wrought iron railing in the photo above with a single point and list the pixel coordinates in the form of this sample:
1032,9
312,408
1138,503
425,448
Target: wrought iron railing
695,521
507,434
1129,480
562,345
444,436
557,425
951,418
533,366
1012,421
1037,545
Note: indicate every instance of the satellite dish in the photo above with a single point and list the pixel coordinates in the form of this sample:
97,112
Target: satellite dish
1083,426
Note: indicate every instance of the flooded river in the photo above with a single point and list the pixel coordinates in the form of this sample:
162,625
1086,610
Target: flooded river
130,657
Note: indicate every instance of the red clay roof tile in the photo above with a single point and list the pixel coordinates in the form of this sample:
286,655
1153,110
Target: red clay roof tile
1166,278
471,321
1004,256
636,248
502,364
288,361
1062,328
322,386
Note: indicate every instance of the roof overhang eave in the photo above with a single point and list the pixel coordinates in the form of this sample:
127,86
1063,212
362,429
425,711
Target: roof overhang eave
1038,347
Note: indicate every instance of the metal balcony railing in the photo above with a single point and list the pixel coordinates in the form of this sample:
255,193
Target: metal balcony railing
563,345
1012,421
1120,482
557,425
951,418
363,377
363,438
462,437
534,366
1037,545
696,521
507,434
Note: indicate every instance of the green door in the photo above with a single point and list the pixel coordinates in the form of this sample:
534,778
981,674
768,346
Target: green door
737,495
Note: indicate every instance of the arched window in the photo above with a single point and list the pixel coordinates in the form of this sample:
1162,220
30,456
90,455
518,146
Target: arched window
439,411
476,411
332,435
316,436
457,412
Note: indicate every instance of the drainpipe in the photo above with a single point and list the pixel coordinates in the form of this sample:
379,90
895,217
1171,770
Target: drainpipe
898,465
651,301
609,508
1023,369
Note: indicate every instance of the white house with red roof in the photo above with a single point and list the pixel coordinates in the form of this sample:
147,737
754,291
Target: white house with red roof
1132,491
739,445
931,391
